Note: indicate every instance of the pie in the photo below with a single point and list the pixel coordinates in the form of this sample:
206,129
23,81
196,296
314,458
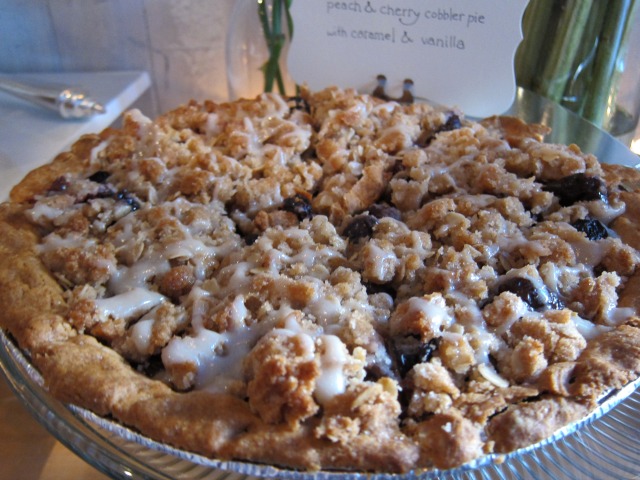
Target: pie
327,282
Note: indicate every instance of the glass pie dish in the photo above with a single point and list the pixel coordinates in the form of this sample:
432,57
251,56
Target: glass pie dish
601,446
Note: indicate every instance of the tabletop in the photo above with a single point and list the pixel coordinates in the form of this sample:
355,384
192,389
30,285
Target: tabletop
29,451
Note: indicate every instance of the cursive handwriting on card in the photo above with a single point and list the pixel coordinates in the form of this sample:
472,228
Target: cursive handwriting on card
457,52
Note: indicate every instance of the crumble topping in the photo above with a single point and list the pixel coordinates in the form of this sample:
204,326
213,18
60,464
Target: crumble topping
346,267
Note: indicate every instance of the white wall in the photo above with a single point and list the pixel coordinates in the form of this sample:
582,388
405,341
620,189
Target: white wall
179,42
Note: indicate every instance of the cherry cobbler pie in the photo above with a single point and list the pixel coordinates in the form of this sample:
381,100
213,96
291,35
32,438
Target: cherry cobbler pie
331,281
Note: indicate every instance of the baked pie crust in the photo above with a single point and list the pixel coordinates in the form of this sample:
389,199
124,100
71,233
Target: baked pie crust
327,282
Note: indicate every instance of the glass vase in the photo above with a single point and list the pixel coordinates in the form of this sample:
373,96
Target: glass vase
576,53
257,44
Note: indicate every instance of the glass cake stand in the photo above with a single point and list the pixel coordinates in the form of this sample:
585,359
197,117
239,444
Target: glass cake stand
605,445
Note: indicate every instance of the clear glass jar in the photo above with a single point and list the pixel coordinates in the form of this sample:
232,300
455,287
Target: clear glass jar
576,53
249,52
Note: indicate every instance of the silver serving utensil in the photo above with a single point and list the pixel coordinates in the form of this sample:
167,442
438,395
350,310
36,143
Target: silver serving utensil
68,102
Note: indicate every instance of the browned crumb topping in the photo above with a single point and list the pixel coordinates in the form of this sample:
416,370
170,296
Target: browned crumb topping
349,282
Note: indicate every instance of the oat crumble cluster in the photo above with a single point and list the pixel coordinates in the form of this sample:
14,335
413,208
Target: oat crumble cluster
327,282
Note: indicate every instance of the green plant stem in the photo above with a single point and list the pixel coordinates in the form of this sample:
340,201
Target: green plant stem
289,16
280,39
611,44
535,24
275,39
581,73
560,63
264,20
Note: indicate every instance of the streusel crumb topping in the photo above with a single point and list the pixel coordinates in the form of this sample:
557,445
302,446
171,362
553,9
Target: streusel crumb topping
389,282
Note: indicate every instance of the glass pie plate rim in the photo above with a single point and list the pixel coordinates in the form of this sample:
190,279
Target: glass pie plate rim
122,453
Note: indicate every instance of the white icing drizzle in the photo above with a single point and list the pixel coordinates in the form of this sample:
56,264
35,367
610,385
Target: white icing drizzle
618,315
605,211
143,123
198,301
97,150
588,252
137,276
233,278
555,275
212,126
384,261
587,329
238,311
327,309
54,242
128,305
198,349
310,256
293,328
42,210
333,359
434,309
141,334
471,308
200,254
218,357
218,369
387,107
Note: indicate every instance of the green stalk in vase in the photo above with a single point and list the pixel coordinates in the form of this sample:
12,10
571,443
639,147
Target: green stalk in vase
612,41
582,70
275,37
535,24
566,44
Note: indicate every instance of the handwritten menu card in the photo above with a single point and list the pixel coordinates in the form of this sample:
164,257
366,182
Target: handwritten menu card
456,52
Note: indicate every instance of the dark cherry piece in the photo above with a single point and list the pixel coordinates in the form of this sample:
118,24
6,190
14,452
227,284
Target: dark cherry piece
100,176
60,184
426,137
410,351
298,103
382,210
536,299
373,288
577,188
452,123
129,199
592,228
299,205
360,227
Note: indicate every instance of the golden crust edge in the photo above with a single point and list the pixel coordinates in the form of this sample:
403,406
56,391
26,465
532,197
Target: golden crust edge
39,179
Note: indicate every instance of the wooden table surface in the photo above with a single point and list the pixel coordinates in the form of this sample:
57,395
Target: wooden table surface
28,451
